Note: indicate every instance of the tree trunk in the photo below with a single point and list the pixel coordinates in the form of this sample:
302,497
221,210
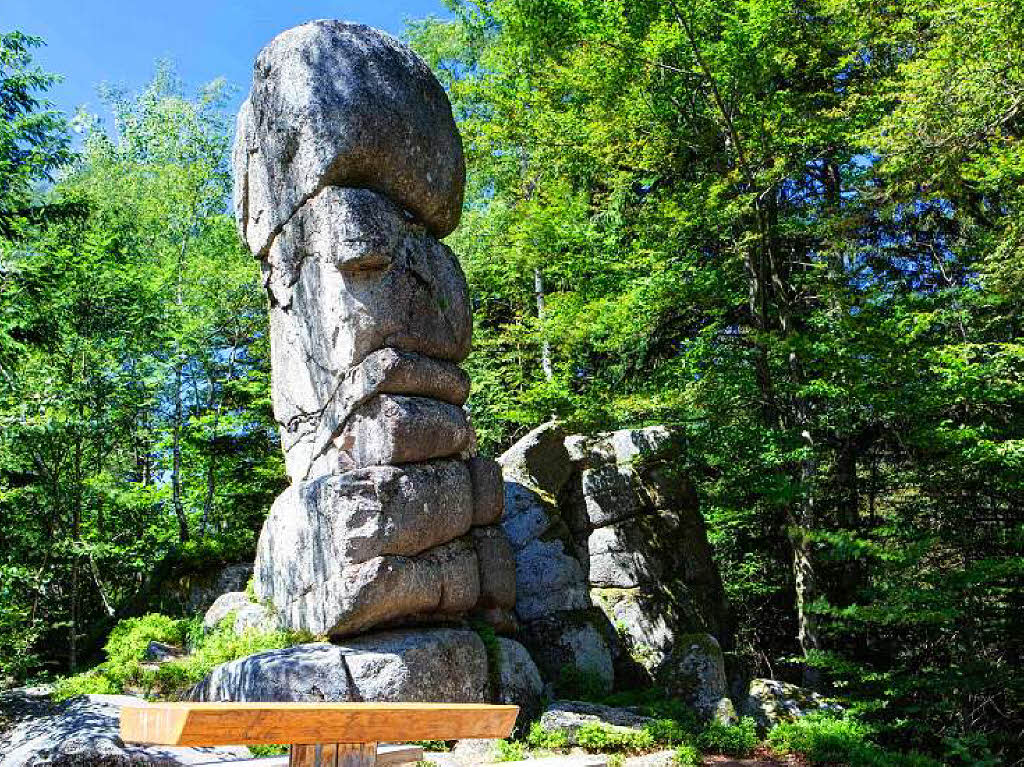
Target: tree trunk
545,345
179,508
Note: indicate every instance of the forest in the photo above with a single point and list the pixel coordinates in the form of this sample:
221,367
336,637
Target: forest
793,228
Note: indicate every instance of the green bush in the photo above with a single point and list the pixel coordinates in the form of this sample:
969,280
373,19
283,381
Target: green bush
127,643
600,737
268,750
831,740
732,739
510,751
539,737
126,648
669,732
687,756
89,683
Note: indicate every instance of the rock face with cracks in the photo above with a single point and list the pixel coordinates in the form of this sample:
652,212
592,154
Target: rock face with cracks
348,169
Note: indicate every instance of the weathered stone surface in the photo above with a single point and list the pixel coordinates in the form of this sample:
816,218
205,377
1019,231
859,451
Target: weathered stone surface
643,619
440,582
387,371
539,459
622,556
770,702
325,322
223,606
548,581
695,672
256,618
576,640
519,681
497,568
488,491
342,104
440,665
158,652
325,539
198,590
569,716
348,168
303,673
392,429
527,515
85,731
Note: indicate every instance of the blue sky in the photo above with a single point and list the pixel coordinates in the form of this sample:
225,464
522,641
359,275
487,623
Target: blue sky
117,41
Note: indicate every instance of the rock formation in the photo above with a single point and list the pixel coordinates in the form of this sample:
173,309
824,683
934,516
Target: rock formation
348,167
615,576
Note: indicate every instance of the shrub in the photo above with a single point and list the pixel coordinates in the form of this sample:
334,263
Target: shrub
129,639
89,683
669,732
510,751
828,740
732,739
687,756
127,643
268,750
539,737
600,737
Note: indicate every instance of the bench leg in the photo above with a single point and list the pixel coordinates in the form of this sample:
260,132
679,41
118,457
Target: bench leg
333,755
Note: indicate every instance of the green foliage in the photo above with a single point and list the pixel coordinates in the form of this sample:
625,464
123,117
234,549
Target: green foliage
594,736
34,140
127,643
687,756
259,751
539,737
510,751
732,739
794,230
88,683
135,430
827,740
126,648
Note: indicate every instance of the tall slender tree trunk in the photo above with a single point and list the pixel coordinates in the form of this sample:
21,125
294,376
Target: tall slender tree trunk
179,507
545,344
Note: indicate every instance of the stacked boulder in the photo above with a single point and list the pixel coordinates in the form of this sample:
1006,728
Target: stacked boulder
348,169
615,576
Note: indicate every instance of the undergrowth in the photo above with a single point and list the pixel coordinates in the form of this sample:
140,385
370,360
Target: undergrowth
126,667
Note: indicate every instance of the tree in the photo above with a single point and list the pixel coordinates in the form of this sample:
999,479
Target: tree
137,423
34,141
743,233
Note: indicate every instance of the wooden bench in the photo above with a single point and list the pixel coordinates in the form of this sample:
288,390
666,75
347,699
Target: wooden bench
320,734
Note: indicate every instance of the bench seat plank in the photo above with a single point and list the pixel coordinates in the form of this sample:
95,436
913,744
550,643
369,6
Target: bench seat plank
218,724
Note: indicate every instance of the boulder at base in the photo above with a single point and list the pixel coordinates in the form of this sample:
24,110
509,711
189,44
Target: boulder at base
569,716
438,665
770,702
85,731
695,673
